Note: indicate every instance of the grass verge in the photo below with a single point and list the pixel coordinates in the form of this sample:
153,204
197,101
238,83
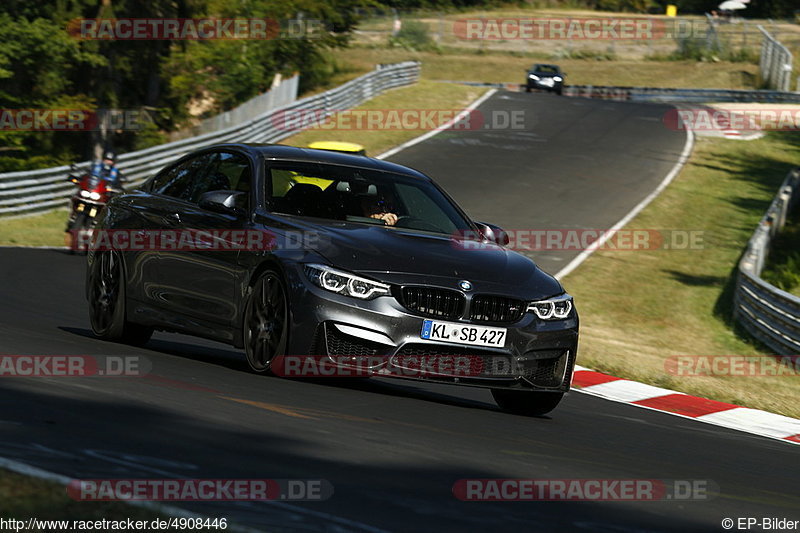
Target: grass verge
23,497
639,308
46,229
503,67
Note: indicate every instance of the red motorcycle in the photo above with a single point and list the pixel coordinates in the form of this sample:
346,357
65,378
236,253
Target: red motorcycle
92,195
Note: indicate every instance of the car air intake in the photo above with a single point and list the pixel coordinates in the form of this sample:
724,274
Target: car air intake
545,368
339,344
485,308
433,302
454,360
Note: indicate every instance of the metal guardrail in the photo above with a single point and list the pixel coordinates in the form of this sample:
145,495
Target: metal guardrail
775,63
668,95
281,94
766,312
655,94
25,192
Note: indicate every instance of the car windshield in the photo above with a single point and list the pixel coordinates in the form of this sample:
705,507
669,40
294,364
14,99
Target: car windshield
546,69
362,196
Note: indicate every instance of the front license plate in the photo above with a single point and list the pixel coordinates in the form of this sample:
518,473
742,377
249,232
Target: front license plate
463,334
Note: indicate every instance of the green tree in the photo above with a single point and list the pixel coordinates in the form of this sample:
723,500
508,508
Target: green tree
43,65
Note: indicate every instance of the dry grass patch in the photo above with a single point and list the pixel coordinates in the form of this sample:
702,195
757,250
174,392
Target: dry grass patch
638,308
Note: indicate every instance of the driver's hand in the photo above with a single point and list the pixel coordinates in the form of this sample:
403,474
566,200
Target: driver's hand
390,219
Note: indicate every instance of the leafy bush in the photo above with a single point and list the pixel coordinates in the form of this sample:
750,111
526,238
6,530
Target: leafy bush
702,49
783,264
413,35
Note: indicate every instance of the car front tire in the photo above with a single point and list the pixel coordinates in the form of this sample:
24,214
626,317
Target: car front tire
107,302
527,403
266,322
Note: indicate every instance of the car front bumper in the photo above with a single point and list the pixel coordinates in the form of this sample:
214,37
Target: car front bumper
538,84
382,336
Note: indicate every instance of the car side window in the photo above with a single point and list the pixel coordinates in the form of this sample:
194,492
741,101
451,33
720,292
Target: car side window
226,171
177,181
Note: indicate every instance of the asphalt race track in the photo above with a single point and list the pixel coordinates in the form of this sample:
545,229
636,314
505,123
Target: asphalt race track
578,164
392,449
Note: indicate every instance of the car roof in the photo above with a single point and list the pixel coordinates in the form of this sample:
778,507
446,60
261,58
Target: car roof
545,65
282,152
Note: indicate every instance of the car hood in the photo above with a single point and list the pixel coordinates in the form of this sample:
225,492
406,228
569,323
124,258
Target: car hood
409,257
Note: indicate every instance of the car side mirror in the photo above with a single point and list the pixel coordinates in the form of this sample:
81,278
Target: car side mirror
225,202
493,233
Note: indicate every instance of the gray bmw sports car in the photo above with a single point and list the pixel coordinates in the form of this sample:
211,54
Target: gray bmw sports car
322,263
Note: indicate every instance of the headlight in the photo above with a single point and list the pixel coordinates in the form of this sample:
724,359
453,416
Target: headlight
85,194
345,283
557,308
533,76
94,195
557,78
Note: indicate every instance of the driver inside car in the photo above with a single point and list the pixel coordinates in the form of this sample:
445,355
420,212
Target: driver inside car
378,208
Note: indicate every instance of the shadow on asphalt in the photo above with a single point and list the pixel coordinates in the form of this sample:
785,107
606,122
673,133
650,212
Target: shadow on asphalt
390,484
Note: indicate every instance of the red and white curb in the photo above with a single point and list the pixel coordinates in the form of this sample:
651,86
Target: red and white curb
740,135
679,404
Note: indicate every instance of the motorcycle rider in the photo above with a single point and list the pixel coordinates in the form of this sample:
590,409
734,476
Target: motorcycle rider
108,171
100,170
